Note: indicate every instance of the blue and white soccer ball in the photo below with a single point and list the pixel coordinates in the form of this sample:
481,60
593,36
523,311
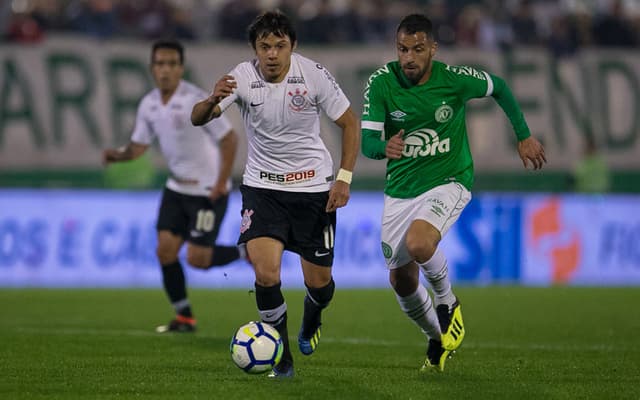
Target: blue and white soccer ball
256,347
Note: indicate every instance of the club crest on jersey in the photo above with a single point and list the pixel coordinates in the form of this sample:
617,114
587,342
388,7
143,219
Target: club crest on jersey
245,224
444,113
298,100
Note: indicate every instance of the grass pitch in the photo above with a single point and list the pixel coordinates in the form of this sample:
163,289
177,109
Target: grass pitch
522,343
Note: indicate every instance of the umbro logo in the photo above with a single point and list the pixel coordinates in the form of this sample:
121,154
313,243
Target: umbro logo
398,115
256,104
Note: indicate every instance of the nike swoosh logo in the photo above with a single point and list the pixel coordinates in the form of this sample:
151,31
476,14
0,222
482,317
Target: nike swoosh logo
318,254
195,233
256,104
269,315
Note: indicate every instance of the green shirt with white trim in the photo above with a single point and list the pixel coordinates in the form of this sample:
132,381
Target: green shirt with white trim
432,115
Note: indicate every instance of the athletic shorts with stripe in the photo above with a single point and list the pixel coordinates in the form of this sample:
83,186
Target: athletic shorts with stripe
297,219
440,206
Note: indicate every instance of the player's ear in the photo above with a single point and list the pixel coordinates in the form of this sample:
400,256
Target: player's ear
294,45
434,48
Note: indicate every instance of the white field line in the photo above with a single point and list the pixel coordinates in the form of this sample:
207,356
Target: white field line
361,341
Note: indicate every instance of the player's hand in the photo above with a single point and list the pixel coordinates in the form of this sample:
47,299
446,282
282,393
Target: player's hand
338,196
218,190
531,150
395,145
109,156
223,88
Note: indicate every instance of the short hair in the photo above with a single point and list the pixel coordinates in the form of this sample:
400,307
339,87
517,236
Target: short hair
414,23
168,44
269,22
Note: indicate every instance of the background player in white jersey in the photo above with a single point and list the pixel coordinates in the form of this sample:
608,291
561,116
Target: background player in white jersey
195,197
289,194
414,116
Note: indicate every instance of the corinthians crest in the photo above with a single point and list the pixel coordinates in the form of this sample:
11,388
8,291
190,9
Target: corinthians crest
298,100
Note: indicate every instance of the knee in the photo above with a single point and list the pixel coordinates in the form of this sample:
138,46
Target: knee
198,261
420,249
166,255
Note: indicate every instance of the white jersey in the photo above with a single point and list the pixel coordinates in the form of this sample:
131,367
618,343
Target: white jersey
192,153
282,123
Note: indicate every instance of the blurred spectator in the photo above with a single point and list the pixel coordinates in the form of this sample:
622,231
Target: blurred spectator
614,28
524,25
591,174
95,18
566,26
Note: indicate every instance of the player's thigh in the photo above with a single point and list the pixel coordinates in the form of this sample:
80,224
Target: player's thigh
397,216
312,229
441,206
266,258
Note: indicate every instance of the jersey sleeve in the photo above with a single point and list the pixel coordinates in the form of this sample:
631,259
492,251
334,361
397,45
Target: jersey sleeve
142,132
505,99
373,115
329,96
472,83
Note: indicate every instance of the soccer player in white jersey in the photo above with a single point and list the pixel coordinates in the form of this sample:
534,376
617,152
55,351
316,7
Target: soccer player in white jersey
289,191
194,200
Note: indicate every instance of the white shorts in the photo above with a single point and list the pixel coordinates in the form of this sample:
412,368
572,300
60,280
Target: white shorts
440,206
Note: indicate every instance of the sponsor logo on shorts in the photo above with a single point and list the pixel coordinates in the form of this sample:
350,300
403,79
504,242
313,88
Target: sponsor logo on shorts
288,178
245,224
438,207
387,252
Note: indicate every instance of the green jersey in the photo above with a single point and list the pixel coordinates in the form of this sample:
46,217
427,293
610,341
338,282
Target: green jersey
436,147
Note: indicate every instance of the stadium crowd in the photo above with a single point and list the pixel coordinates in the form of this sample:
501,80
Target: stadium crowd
563,26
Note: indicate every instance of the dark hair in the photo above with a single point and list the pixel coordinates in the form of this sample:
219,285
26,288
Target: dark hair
416,23
168,44
271,22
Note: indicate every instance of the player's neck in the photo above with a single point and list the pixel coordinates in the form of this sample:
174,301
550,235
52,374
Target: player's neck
166,94
426,76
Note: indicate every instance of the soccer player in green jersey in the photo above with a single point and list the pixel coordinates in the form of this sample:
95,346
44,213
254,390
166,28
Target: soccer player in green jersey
414,116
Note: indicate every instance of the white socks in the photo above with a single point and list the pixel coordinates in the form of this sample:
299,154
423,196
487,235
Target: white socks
437,273
419,308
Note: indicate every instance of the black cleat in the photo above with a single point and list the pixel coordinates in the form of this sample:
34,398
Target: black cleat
451,325
180,324
436,357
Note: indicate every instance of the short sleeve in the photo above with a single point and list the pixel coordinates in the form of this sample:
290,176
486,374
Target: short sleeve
142,132
330,96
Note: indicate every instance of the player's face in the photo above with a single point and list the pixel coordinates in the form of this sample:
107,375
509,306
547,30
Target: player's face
274,56
415,53
166,68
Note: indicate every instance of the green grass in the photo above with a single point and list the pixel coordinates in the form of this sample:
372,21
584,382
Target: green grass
522,343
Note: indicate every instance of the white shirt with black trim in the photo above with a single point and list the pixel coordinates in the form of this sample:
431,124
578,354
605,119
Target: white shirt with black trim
282,123
192,153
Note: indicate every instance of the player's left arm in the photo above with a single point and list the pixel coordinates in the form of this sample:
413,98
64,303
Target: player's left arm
340,191
529,148
228,146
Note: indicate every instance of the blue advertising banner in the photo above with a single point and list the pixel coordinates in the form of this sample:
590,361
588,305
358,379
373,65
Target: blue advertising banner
64,238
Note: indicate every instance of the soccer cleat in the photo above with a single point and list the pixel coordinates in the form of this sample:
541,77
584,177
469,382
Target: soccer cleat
179,324
308,345
283,370
451,325
436,357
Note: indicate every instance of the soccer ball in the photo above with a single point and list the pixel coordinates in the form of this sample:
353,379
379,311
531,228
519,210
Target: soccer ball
256,347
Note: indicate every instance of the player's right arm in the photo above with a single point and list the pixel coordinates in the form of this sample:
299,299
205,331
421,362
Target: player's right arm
131,151
373,114
209,108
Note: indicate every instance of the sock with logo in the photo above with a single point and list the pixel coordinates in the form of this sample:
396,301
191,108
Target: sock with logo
437,273
176,288
223,255
419,309
273,310
315,301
